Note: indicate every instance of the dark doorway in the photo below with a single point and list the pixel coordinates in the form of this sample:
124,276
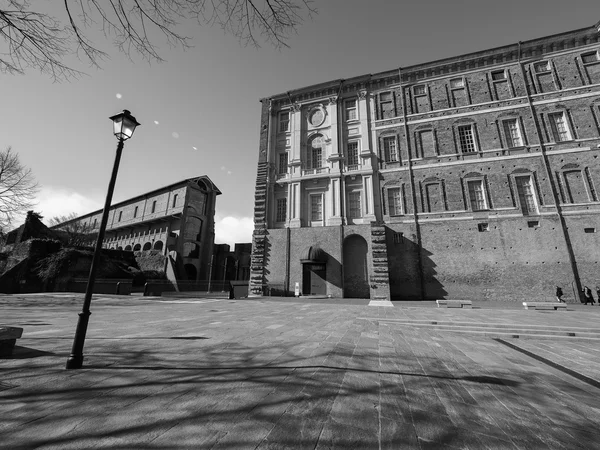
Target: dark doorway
190,271
356,274
314,279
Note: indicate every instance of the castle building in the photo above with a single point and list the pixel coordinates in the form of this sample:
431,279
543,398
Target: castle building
177,220
471,177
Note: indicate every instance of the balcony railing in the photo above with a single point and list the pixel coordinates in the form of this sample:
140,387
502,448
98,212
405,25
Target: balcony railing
352,167
315,171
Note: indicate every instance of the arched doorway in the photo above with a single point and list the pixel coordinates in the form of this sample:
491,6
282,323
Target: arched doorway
356,268
314,271
190,271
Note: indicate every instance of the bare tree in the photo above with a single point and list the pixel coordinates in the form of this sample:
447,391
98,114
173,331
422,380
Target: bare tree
42,40
18,188
77,233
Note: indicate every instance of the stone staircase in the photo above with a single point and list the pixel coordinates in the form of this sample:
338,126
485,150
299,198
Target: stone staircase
502,331
257,259
379,275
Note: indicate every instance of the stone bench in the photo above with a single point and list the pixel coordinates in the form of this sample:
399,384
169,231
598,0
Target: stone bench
454,303
554,306
8,339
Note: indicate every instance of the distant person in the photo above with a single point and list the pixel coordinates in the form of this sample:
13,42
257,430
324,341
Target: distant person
587,296
559,294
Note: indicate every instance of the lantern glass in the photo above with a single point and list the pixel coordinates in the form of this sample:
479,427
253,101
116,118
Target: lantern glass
124,125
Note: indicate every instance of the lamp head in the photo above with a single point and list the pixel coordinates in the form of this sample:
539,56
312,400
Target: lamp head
124,125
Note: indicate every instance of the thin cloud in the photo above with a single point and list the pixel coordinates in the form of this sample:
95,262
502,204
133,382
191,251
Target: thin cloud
231,230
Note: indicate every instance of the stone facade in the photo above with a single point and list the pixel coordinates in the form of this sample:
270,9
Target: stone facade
472,177
177,220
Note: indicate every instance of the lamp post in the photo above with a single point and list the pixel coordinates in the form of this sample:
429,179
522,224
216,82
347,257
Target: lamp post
124,125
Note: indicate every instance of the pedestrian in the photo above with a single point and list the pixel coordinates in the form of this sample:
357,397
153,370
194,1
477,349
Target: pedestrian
559,294
587,296
598,294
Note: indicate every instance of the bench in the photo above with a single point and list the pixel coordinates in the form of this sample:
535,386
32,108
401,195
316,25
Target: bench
554,306
8,339
454,303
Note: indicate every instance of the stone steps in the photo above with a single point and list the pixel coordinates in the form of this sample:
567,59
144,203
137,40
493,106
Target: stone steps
507,331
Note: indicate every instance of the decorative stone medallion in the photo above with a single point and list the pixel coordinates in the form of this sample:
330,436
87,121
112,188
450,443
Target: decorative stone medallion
316,116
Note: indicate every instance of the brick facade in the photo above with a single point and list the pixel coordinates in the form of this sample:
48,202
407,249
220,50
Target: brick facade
177,219
471,177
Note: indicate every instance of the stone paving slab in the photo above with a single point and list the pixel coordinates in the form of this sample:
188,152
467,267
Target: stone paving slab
269,373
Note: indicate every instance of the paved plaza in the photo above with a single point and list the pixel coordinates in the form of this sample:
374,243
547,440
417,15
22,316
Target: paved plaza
285,373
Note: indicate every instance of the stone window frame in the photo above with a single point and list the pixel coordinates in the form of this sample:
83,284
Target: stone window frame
359,192
278,218
355,109
316,222
588,182
475,136
415,95
281,157
550,68
308,147
467,201
358,164
423,188
419,153
506,137
551,130
464,88
380,104
514,189
281,121
386,200
382,151
595,53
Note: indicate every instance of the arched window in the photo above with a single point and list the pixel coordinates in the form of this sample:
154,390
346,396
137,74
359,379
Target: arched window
314,152
158,245
147,246
137,247
119,248
128,248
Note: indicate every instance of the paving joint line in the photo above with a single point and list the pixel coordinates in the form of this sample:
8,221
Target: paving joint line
573,373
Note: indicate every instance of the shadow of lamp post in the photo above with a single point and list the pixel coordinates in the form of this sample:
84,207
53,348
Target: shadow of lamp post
124,126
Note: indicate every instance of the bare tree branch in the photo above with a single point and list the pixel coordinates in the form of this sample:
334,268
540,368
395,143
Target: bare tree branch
17,188
38,40
78,233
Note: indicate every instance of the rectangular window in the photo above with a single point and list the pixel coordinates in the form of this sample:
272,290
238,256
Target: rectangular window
354,210
390,149
457,83
316,207
512,133
466,138
526,195
427,144
419,90
351,111
353,155
316,158
589,58
284,121
154,206
560,129
281,209
135,211
174,201
398,238
541,67
476,195
394,202
283,162
386,105
499,75
120,216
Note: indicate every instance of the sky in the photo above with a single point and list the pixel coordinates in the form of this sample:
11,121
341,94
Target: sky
199,109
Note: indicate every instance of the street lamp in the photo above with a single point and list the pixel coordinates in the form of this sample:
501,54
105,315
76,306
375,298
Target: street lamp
124,125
